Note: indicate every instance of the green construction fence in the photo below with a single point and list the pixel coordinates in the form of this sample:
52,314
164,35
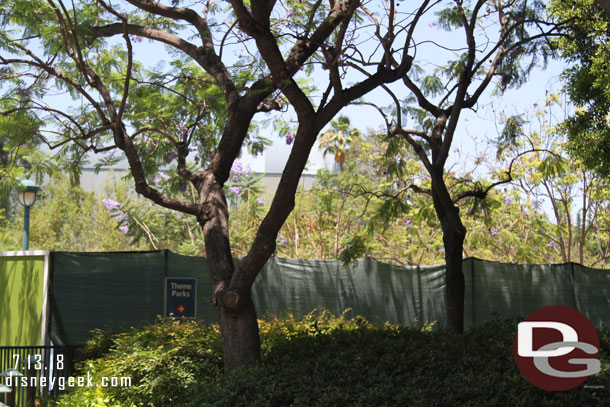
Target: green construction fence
117,290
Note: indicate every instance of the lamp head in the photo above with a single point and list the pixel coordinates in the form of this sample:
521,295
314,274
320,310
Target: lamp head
27,192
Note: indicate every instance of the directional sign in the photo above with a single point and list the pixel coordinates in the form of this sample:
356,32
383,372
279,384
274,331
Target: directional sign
180,297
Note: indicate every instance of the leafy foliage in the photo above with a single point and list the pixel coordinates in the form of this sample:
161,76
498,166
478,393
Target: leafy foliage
321,360
585,44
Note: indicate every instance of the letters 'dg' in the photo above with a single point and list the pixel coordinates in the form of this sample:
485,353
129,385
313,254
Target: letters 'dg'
557,364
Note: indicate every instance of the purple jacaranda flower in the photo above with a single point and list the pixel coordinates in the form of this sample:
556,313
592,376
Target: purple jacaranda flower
360,222
494,232
537,250
164,176
441,250
157,179
552,259
119,216
235,189
542,230
260,201
237,167
282,239
408,223
289,138
551,244
110,204
124,229
507,201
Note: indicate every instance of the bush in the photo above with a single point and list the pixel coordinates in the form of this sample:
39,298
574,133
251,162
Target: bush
323,360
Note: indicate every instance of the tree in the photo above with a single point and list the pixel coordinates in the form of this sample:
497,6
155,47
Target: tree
338,139
578,197
584,44
499,40
204,102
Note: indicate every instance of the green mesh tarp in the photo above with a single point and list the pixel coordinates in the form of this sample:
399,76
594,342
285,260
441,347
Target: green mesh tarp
375,290
117,290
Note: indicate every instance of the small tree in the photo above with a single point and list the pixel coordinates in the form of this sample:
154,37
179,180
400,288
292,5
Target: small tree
500,40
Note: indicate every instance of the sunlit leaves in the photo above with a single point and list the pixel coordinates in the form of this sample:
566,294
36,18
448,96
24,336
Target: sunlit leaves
586,44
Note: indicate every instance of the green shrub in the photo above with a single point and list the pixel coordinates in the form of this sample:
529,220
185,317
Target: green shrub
323,360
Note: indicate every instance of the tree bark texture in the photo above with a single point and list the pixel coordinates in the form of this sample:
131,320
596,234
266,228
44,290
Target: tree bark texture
454,233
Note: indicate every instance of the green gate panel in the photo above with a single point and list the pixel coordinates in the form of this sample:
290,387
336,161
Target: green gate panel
21,300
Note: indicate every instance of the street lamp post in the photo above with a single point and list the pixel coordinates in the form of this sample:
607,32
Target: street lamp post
27,198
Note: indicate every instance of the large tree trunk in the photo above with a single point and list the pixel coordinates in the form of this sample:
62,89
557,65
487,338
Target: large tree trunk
236,313
239,332
453,239
454,233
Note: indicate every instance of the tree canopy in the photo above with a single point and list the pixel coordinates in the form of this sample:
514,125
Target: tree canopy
585,45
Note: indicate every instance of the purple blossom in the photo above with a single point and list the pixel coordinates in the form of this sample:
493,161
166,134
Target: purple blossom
542,230
552,259
237,167
551,244
136,39
289,138
164,176
235,189
360,223
507,201
494,232
408,223
282,239
537,250
124,229
441,250
110,204
119,216
260,201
